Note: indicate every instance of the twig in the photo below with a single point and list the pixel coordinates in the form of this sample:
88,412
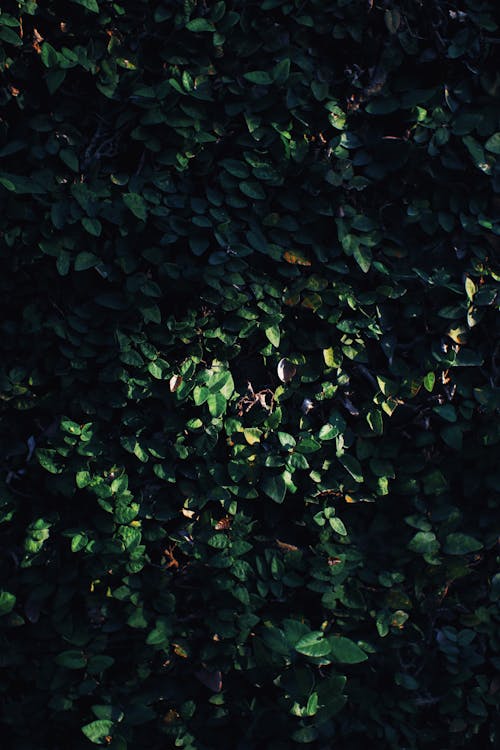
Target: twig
251,398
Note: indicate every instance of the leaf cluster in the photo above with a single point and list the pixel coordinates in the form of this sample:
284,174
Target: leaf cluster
249,384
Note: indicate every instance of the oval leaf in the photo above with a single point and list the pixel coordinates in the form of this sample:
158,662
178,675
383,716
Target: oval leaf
313,644
346,651
98,731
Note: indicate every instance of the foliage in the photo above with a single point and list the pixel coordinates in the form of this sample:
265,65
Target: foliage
250,370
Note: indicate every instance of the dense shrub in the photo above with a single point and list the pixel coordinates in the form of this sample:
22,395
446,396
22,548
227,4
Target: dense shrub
249,378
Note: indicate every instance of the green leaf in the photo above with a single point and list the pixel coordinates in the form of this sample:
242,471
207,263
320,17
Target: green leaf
88,4
312,705
346,651
119,485
63,262
392,18
461,544
328,432
83,479
125,511
281,71
429,381
54,79
252,435
337,116
434,482
48,55
470,288
159,636
7,602
386,385
252,189
493,143
132,445
218,541
273,334
217,404
375,421
294,630
330,358
85,260
259,77
8,184
452,436
313,644
105,711
353,466
446,411
93,226
98,731
72,428
46,458
476,151
382,106
9,36
200,394
200,24
235,168
159,369
136,204
97,664
275,488
220,382
363,257
79,542
308,444
338,526
71,659
424,542
67,155
382,468
276,641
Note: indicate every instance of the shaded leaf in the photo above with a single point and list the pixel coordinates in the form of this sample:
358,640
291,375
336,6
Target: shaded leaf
275,487
346,651
461,544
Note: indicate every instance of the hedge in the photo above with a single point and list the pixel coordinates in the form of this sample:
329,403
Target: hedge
249,378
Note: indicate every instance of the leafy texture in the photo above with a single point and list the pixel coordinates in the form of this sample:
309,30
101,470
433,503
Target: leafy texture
249,379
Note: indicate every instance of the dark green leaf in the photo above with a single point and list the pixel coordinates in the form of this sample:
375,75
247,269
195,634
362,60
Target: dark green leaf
200,24
48,55
275,488
345,651
461,544
71,659
353,466
424,542
258,76
85,260
493,143
136,204
281,71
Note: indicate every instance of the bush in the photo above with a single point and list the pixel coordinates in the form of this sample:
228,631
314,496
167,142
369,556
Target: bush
250,370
